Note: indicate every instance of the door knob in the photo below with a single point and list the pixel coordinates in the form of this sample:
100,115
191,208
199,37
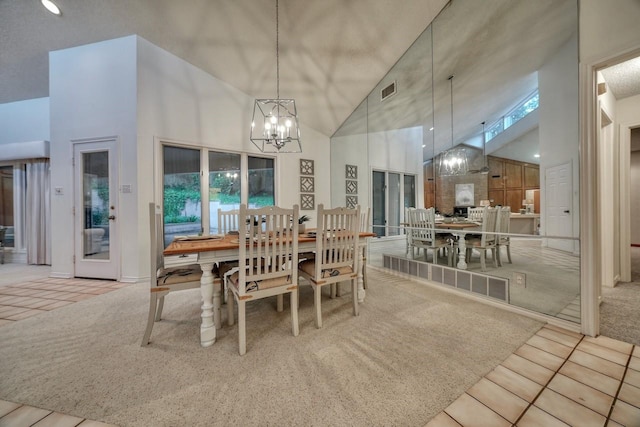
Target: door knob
112,217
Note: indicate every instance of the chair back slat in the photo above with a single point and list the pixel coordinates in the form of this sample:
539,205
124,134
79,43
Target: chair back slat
271,247
489,218
227,221
337,238
422,222
364,220
475,214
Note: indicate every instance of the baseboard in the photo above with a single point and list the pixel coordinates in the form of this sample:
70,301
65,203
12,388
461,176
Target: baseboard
59,275
127,279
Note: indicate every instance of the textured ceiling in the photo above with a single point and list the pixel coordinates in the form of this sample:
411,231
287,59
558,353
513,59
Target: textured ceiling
332,52
623,79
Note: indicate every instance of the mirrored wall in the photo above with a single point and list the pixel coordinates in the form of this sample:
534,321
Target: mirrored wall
496,83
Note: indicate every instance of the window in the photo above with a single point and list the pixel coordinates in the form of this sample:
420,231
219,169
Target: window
225,185
409,191
6,203
524,108
224,188
181,192
261,182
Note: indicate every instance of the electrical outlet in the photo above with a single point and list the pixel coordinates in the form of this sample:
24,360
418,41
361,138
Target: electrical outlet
520,279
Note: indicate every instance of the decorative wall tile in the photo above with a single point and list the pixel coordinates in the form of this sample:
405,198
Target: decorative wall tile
351,172
352,202
352,187
307,184
307,202
306,167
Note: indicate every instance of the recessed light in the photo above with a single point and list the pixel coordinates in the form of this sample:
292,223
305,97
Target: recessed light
51,6
536,155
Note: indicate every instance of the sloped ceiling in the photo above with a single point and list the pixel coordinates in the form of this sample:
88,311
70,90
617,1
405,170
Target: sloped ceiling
332,52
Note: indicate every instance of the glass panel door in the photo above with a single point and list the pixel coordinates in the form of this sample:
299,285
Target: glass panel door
6,204
393,220
96,202
409,191
378,208
96,210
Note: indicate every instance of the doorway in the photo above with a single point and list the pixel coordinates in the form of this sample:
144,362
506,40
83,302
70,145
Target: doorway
96,209
558,199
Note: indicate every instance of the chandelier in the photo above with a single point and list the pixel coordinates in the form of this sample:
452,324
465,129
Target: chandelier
274,125
454,160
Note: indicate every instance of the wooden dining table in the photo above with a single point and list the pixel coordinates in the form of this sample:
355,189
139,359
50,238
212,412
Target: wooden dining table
222,248
458,230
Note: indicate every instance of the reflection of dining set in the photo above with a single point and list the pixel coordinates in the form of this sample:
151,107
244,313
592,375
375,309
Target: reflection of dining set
484,230
259,254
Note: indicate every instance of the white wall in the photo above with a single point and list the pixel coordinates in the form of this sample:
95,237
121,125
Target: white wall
349,150
93,94
138,92
179,102
608,28
559,125
398,150
23,121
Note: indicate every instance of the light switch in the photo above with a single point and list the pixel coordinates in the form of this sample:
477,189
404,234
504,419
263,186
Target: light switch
58,191
126,188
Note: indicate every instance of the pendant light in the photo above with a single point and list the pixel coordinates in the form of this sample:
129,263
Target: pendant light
274,125
454,160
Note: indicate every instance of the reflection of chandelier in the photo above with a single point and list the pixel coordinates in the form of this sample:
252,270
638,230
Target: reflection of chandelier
454,160
274,126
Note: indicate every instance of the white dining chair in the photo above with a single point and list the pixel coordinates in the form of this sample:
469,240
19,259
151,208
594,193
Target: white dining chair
164,281
486,240
364,228
227,221
337,255
422,223
503,227
269,253
475,214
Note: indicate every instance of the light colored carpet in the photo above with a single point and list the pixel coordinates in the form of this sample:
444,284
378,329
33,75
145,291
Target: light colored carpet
552,276
410,353
620,308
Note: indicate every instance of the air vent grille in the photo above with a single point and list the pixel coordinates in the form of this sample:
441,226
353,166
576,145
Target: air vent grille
388,91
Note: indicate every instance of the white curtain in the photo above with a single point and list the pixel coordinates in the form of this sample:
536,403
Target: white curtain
38,213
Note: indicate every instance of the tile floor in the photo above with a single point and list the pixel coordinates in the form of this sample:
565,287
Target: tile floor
17,415
557,378
29,298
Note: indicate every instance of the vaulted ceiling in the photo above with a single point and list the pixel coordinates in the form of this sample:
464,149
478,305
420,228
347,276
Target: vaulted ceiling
332,52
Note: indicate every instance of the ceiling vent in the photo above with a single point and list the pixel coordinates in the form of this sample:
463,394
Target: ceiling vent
388,91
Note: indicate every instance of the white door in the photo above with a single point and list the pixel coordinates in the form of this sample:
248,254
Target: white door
558,201
96,209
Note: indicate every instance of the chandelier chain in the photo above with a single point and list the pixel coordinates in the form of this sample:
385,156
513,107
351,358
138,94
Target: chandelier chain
277,53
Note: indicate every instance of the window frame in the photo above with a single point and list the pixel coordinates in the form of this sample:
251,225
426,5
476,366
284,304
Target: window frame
205,217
